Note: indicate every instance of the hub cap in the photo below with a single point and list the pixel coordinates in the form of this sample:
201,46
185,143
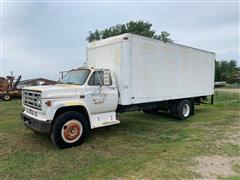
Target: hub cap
72,131
186,110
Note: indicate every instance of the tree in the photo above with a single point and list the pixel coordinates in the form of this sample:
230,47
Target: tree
93,36
218,71
164,36
136,27
226,70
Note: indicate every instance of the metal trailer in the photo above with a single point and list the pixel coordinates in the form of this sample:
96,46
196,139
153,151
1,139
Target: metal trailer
8,88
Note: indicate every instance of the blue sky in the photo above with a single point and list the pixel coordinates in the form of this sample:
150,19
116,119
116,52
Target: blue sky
42,38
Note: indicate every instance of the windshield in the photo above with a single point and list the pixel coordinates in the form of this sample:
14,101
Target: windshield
76,77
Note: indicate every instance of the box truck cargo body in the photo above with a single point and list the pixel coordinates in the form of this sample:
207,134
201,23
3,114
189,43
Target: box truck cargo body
124,73
149,70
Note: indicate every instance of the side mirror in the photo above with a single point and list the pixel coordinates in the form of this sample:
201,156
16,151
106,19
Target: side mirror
106,78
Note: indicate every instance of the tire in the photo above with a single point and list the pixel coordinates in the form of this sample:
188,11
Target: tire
69,129
183,109
6,97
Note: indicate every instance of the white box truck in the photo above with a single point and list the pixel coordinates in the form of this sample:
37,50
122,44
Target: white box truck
124,73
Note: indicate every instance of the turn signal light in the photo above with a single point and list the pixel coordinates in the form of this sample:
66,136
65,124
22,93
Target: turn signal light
48,103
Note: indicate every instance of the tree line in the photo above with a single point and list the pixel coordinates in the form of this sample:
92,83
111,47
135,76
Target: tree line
227,71
136,27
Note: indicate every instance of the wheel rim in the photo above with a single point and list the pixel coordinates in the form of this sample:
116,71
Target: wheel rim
72,131
6,97
186,110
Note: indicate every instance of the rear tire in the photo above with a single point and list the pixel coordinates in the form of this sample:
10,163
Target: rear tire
183,109
69,129
6,97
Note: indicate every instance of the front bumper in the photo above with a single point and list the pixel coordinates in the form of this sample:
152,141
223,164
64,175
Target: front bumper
35,124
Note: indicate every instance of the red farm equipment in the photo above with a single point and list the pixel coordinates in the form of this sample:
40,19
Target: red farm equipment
8,87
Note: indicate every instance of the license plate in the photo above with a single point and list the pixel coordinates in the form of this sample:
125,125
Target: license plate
32,112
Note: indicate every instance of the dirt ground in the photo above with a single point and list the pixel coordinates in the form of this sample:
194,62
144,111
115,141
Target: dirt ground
211,167
237,90
215,166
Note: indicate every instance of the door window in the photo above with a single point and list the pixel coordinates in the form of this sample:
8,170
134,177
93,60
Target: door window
97,79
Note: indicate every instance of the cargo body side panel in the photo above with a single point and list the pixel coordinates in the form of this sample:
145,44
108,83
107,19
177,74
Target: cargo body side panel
163,71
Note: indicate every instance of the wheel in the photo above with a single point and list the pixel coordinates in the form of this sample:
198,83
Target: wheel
183,109
6,97
69,129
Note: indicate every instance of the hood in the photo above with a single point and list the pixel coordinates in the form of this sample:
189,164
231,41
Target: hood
55,91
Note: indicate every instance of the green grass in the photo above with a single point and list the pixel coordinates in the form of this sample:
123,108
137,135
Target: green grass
141,146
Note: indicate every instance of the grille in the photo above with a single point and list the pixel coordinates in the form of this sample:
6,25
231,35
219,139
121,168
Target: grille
30,99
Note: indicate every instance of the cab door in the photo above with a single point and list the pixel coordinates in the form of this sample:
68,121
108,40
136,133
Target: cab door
100,97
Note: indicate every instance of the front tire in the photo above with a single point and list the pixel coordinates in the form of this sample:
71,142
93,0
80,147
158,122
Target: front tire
69,129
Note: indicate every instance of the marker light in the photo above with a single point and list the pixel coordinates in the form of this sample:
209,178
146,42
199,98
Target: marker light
48,103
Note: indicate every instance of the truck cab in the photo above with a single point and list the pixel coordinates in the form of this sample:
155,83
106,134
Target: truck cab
84,99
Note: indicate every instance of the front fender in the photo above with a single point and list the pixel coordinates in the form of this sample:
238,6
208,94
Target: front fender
63,103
